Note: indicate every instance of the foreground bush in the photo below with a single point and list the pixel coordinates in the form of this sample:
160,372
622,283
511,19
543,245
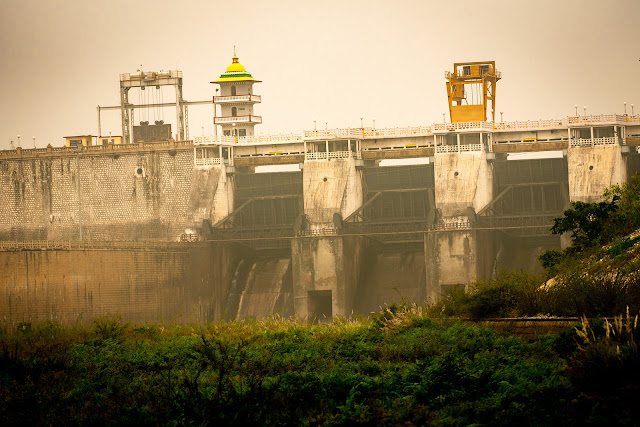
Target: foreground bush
398,368
522,294
606,368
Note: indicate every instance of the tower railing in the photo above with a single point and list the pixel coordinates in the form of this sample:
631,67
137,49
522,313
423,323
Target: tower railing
237,98
237,119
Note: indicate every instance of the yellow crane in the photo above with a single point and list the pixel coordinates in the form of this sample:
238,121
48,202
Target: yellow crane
470,87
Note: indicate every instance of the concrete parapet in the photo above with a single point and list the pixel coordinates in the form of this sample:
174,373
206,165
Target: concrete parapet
592,169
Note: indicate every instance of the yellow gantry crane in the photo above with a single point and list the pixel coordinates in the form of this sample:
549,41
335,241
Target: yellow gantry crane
470,87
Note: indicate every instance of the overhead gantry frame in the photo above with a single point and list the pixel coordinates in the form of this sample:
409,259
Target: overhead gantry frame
464,104
142,80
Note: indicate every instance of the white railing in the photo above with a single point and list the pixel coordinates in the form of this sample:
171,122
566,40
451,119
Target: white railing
204,140
353,133
237,119
531,124
270,139
462,126
329,155
590,142
248,140
207,161
601,118
237,98
398,132
458,148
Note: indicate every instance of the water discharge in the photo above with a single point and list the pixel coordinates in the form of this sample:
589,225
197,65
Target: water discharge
261,287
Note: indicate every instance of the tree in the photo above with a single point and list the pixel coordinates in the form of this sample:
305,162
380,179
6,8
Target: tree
590,224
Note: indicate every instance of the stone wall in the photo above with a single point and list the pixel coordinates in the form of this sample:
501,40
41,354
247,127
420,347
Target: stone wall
135,195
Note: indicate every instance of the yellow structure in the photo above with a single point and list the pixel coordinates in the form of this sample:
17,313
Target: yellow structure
470,87
235,73
83,140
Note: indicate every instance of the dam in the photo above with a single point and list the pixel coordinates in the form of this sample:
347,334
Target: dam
192,230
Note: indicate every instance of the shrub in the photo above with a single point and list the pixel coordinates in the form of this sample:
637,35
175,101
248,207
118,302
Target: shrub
606,368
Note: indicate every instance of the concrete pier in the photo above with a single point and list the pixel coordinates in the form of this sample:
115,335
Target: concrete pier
211,197
326,269
463,186
593,169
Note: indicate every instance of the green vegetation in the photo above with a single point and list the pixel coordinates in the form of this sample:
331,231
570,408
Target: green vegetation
395,368
593,225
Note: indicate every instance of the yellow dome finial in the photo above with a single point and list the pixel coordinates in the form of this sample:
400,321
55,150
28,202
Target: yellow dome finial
235,72
235,57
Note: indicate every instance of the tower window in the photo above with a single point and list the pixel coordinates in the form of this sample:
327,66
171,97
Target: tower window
234,111
242,132
233,92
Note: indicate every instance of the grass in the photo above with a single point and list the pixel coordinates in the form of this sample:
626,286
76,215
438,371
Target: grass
397,367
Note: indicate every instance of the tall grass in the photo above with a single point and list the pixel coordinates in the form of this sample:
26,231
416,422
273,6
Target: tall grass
397,367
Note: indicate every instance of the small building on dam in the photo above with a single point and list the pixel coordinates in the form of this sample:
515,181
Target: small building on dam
157,228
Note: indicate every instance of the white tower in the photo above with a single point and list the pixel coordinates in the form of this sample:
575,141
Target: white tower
236,101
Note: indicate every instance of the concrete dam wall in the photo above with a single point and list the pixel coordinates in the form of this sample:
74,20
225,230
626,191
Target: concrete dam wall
171,283
341,236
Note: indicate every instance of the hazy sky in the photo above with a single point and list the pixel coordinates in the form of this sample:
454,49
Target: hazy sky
325,60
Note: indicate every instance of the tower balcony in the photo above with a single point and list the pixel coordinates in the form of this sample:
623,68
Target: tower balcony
227,120
230,99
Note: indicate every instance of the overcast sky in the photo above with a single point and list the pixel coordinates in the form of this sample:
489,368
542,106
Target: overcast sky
325,60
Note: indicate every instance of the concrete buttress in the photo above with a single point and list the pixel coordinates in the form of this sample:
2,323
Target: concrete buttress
592,169
326,269
211,195
458,256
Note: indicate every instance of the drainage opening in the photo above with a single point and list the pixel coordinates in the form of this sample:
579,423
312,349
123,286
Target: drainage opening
320,309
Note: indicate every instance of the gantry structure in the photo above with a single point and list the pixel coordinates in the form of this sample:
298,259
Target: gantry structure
471,89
